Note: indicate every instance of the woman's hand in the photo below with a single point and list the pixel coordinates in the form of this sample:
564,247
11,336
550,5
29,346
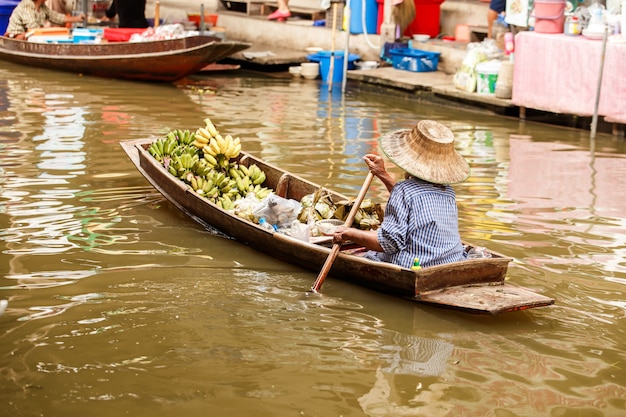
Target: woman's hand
376,164
367,238
338,236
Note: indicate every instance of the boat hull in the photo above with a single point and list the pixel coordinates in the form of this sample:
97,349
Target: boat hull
159,61
475,286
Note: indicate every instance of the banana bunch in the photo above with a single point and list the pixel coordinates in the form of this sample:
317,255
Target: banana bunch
203,186
225,202
218,150
207,162
181,165
184,137
249,180
162,148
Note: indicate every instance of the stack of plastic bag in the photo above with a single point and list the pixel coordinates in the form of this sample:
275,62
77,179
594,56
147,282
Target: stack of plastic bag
163,32
466,77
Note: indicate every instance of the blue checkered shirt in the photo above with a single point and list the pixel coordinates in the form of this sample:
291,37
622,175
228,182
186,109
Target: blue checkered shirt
421,221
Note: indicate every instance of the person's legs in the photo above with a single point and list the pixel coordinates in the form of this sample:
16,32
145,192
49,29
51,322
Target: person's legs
495,8
282,12
492,15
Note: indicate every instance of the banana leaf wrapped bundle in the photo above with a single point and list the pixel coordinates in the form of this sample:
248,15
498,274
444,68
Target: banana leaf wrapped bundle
319,206
369,216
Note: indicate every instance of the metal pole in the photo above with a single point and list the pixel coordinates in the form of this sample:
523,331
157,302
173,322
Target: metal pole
347,13
85,12
331,70
594,120
202,19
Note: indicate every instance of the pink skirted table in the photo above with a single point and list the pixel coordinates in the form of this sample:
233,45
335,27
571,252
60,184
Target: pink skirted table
559,74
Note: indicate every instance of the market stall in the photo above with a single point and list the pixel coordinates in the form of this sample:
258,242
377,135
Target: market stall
560,73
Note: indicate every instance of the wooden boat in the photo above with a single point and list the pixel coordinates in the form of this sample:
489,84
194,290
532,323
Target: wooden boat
163,60
475,285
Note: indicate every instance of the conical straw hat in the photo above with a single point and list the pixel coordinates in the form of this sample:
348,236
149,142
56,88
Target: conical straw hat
426,152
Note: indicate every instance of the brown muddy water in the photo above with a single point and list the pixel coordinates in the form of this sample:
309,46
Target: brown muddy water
119,304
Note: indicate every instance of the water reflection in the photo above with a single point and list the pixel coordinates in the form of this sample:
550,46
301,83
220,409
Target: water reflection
119,303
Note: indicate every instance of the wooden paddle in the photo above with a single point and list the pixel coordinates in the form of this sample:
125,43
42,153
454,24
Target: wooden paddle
333,253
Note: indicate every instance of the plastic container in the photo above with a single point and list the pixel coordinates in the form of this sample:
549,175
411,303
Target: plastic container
120,34
80,35
414,60
487,73
265,225
357,19
210,20
324,57
427,18
572,26
549,16
6,8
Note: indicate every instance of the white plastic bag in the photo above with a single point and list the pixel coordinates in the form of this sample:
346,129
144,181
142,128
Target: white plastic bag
278,210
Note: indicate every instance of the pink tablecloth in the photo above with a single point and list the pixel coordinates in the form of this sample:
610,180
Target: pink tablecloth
559,74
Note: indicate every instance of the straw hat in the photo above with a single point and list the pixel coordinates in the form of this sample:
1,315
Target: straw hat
426,152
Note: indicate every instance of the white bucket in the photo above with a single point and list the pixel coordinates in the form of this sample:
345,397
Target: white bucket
487,76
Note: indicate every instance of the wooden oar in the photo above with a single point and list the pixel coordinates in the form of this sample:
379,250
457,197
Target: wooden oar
333,253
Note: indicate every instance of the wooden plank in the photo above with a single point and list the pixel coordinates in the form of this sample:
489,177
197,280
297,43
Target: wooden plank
249,7
490,299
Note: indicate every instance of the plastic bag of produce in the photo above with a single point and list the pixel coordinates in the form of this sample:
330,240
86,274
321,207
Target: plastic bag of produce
278,210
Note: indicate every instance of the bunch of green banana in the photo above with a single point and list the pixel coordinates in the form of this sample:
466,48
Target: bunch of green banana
249,180
162,148
202,186
202,168
225,202
184,137
180,165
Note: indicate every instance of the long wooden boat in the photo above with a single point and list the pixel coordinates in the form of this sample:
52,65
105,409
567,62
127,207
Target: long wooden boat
162,60
475,285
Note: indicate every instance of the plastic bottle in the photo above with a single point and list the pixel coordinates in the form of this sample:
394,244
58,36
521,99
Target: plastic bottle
265,225
416,264
509,43
572,25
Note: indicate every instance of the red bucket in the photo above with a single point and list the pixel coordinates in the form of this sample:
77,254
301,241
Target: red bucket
549,16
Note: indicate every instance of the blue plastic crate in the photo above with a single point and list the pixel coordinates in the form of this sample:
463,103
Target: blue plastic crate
414,60
81,35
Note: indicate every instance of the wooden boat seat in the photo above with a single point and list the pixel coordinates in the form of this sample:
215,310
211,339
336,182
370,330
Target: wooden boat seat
283,186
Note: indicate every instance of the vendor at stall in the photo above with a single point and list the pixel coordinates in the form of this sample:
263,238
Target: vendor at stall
130,13
34,14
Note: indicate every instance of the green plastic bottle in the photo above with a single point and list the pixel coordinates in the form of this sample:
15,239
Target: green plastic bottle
416,264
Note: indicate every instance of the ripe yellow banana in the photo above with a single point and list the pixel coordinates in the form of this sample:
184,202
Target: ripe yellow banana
210,160
221,143
210,127
236,151
214,146
230,150
204,132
